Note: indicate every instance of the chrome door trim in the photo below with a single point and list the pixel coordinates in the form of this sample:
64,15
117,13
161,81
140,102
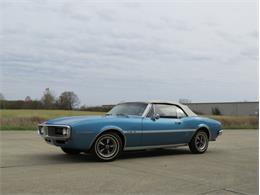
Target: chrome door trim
169,131
159,131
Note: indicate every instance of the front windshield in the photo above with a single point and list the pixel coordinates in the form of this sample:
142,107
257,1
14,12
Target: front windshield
135,108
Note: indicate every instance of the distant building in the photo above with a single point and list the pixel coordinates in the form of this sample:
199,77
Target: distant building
226,108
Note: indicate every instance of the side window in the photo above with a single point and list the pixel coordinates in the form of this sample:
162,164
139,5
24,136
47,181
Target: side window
166,111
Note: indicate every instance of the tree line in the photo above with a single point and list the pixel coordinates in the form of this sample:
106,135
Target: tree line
67,100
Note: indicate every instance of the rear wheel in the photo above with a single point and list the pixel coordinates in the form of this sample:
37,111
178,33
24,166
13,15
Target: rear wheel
199,143
70,151
107,147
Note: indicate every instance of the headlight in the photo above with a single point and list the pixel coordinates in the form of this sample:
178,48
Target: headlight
65,131
41,130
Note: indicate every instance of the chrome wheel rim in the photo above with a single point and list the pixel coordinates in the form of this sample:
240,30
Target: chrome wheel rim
107,146
201,141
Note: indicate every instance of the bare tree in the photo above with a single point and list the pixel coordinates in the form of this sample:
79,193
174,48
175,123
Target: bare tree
68,100
28,99
48,99
215,111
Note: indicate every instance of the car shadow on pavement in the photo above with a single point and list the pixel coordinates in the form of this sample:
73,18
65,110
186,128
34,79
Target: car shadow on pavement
154,153
60,158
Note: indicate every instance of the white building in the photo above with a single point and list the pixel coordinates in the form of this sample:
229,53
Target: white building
226,108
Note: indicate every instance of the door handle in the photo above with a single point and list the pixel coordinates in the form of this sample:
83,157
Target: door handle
178,122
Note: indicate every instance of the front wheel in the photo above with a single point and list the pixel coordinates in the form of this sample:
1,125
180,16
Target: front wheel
70,151
107,147
199,143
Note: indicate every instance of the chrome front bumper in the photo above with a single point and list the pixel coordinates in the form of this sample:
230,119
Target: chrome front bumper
220,132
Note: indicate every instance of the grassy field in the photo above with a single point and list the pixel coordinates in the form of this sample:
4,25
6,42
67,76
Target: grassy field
28,119
237,122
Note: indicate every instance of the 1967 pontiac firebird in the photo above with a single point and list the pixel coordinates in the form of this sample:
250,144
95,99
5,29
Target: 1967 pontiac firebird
132,126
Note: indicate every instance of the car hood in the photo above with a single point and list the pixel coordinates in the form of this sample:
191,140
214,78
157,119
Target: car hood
72,120
75,120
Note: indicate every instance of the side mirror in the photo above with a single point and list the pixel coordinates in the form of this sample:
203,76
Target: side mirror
155,117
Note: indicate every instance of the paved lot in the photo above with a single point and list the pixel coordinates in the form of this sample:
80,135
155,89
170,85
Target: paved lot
29,165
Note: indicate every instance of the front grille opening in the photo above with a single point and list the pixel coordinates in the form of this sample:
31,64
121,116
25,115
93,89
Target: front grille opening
59,132
55,131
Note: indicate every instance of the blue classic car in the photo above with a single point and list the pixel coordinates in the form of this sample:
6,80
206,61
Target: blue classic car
132,126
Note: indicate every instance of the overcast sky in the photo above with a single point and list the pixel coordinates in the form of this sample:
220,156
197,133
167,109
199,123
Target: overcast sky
112,51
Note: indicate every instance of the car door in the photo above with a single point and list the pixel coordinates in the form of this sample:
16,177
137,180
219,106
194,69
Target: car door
164,125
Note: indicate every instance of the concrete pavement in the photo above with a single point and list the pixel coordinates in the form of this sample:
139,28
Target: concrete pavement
230,166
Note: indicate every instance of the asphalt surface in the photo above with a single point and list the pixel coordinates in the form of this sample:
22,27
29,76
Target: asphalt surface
230,166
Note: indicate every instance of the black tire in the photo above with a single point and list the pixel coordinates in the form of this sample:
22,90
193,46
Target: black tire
199,143
70,151
107,147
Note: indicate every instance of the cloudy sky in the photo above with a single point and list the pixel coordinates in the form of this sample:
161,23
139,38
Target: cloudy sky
112,51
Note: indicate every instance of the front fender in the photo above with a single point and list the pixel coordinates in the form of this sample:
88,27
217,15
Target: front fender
111,127
107,128
204,126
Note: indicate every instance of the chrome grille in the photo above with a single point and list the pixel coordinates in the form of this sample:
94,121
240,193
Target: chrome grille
54,131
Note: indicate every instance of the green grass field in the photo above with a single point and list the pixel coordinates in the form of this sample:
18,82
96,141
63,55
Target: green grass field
28,119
